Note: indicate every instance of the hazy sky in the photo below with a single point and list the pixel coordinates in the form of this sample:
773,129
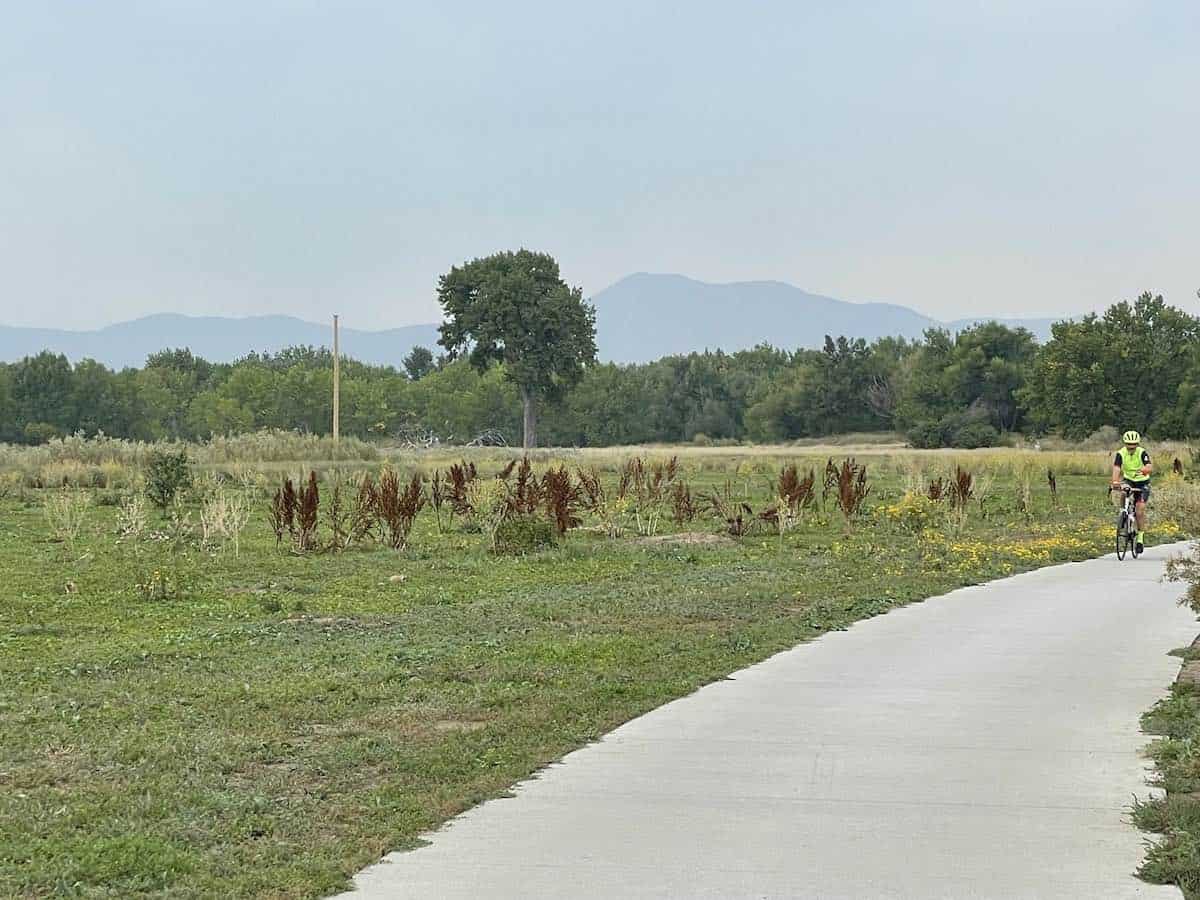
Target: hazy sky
1005,157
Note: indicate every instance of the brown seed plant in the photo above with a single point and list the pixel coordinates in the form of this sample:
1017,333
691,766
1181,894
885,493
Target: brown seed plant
683,507
337,520
849,485
794,492
527,493
282,514
961,488
937,489
398,506
364,512
438,498
738,516
308,508
562,498
459,479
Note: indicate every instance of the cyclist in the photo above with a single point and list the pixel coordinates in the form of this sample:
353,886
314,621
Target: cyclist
1132,466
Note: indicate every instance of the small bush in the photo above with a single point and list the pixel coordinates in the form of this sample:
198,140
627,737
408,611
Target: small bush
965,430
525,534
167,474
975,435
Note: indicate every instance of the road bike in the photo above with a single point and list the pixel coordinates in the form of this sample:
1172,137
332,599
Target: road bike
1127,521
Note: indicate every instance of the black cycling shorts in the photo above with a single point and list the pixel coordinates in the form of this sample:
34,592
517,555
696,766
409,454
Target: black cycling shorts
1143,486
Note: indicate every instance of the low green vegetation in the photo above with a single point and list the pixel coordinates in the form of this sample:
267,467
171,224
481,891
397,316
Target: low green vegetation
294,667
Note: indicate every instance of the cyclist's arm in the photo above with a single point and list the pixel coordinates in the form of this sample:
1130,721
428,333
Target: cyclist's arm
1116,479
1147,468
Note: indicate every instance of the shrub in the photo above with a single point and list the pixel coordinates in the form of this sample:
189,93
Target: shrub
965,430
974,435
524,534
167,474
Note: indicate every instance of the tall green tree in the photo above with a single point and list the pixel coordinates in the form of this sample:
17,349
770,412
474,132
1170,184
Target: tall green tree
419,363
515,309
1125,368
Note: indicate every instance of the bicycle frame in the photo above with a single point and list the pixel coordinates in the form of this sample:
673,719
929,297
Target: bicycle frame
1127,520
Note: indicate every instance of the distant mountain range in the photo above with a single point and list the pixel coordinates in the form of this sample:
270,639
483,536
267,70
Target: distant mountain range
640,318
646,316
213,337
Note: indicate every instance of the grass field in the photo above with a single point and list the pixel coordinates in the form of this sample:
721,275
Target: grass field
186,719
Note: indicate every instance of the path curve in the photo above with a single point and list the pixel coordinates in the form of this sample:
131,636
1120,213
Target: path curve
983,743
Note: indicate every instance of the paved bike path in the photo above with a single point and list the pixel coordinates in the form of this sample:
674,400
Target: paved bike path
979,744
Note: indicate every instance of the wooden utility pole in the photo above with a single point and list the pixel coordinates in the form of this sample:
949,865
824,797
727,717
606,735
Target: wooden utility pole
336,381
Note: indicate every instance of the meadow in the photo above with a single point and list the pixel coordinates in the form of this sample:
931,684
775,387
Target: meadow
253,689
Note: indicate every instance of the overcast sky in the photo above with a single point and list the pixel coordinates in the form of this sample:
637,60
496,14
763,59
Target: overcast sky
1007,157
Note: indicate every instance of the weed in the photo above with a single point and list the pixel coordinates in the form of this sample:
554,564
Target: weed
937,489
65,512
337,520
223,516
307,510
131,518
460,477
364,513
798,493
398,505
683,507
849,485
527,493
488,501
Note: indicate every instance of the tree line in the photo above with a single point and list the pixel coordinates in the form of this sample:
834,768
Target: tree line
1135,366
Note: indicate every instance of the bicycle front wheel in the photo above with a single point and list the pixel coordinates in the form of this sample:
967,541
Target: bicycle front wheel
1122,537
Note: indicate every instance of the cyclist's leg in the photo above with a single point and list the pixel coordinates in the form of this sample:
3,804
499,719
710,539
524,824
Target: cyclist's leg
1140,512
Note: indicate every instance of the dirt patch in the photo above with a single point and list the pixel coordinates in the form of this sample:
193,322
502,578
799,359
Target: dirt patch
335,623
688,539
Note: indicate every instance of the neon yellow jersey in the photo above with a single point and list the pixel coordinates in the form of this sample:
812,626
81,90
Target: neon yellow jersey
1131,463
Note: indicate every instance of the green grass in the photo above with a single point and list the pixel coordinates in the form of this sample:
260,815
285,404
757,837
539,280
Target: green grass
292,718
1175,857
